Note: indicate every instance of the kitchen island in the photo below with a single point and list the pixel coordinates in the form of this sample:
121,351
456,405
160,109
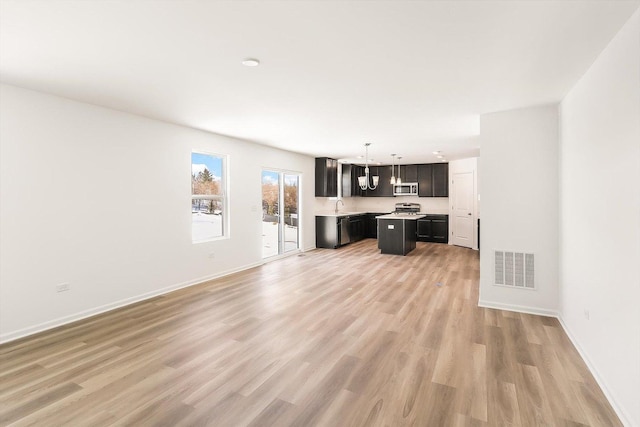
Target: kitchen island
397,233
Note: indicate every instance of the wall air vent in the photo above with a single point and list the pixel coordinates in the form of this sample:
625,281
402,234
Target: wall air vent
514,269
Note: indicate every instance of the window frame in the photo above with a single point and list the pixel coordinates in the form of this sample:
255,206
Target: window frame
224,197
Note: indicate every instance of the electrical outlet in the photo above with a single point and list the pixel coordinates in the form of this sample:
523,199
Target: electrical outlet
63,287
586,314
212,255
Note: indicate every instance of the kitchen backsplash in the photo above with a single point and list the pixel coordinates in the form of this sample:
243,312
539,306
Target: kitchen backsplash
432,205
328,204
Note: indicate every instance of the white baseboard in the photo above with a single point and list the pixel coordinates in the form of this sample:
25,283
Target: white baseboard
21,333
550,313
624,418
518,308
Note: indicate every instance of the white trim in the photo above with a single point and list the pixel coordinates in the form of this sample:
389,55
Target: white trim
61,321
518,308
281,256
599,379
513,287
624,418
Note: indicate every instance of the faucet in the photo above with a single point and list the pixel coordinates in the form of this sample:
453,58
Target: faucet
339,200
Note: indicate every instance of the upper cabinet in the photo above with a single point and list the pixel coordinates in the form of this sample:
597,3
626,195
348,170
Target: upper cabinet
433,180
347,180
440,180
409,173
425,180
384,188
350,173
326,177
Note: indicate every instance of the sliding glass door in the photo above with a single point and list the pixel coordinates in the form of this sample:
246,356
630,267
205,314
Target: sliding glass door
290,206
280,196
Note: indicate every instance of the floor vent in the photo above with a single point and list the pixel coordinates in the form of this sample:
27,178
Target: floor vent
514,269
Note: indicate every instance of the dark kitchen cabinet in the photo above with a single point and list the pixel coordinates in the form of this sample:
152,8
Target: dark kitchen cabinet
357,226
326,177
409,173
396,236
331,231
327,232
441,180
356,171
335,231
434,228
350,174
372,224
347,180
384,188
433,180
425,180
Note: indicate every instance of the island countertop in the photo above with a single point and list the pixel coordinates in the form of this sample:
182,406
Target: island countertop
400,216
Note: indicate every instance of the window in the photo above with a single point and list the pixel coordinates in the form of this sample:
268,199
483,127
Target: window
208,196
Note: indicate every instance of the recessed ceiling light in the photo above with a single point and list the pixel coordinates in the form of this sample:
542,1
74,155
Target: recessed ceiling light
440,157
437,152
250,62
361,157
443,160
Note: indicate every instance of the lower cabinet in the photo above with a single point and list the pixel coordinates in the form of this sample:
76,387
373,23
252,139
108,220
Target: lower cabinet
372,225
328,232
357,226
335,231
434,228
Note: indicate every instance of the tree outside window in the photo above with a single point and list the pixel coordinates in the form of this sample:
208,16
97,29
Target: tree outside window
208,196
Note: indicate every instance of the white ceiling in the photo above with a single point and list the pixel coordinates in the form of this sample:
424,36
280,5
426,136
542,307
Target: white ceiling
410,77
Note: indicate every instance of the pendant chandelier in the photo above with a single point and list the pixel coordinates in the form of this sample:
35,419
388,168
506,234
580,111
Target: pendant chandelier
363,181
398,180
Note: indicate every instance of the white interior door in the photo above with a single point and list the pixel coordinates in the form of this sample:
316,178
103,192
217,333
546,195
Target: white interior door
462,209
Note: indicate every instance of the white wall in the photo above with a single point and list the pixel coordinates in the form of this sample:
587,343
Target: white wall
519,187
600,218
101,199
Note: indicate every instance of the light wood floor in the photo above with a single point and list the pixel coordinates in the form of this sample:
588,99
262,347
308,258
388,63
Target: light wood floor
343,337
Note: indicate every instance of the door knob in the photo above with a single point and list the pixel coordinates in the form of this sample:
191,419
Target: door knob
469,213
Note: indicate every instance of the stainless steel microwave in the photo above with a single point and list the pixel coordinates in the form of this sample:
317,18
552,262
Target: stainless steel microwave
406,189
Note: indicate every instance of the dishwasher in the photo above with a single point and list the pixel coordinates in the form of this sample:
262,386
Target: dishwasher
345,237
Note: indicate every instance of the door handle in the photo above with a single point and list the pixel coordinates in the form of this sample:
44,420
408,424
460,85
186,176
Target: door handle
469,213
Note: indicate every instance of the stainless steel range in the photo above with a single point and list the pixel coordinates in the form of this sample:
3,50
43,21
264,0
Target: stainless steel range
407,208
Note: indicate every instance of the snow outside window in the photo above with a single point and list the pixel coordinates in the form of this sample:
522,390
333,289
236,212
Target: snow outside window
208,196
